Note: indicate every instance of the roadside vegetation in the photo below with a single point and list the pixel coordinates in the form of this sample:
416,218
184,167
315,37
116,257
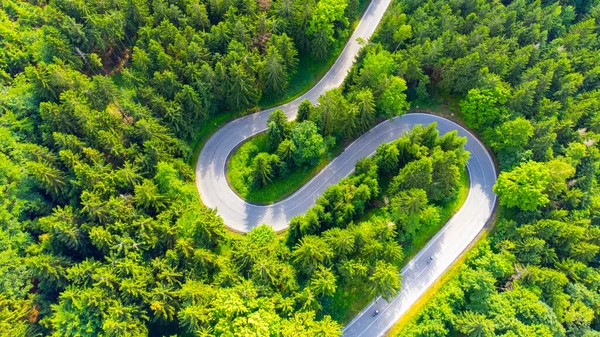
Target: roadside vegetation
349,300
101,231
312,70
449,276
291,151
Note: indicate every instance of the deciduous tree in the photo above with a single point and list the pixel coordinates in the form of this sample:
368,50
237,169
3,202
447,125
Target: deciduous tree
525,187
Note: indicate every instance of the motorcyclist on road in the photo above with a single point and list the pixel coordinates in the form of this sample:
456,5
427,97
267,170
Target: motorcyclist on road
376,313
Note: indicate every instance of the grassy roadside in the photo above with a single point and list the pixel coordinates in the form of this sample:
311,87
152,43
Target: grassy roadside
347,303
446,106
205,131
239,164
308,74
448,275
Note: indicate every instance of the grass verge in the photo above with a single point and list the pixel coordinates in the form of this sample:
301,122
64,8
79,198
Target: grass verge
206,130
348,302
238,168
448,275
446,106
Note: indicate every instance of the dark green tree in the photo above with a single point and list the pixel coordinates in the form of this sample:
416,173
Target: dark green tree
241,89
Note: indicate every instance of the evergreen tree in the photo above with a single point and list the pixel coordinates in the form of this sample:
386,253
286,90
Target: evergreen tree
285,151
287,50
241,91
385,280
366,109
304,111
262,169
275,75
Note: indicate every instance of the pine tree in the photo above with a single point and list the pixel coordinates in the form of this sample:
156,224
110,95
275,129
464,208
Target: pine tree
275,73
475,325
285,151
50,178
241,89
287,50
274,135
324,282
385,280
366,109
304,110
262,170
387,158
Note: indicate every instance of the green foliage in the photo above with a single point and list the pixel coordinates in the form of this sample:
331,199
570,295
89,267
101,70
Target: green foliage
415,174
411,209
241,92
524,187
262,169
385,280
321,26
304,111
101,231
392,101
327,234
366,108
278,129
333,107
509,141
387,158
286,176
285,151
514,67
484,108
377,66
309,144
275,73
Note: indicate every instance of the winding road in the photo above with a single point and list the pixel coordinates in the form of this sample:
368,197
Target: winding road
445,246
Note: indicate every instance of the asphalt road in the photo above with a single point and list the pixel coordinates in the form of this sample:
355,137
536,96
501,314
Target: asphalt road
446,246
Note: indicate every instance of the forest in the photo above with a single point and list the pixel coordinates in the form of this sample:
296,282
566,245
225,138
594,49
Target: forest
102,232
102,229
525,75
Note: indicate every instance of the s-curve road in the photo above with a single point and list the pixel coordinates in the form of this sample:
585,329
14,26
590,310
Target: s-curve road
418,275
210,168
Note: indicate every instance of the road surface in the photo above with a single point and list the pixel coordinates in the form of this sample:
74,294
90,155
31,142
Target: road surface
418,275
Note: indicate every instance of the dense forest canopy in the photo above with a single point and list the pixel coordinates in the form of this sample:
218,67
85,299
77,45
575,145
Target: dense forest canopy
525,74
101,229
